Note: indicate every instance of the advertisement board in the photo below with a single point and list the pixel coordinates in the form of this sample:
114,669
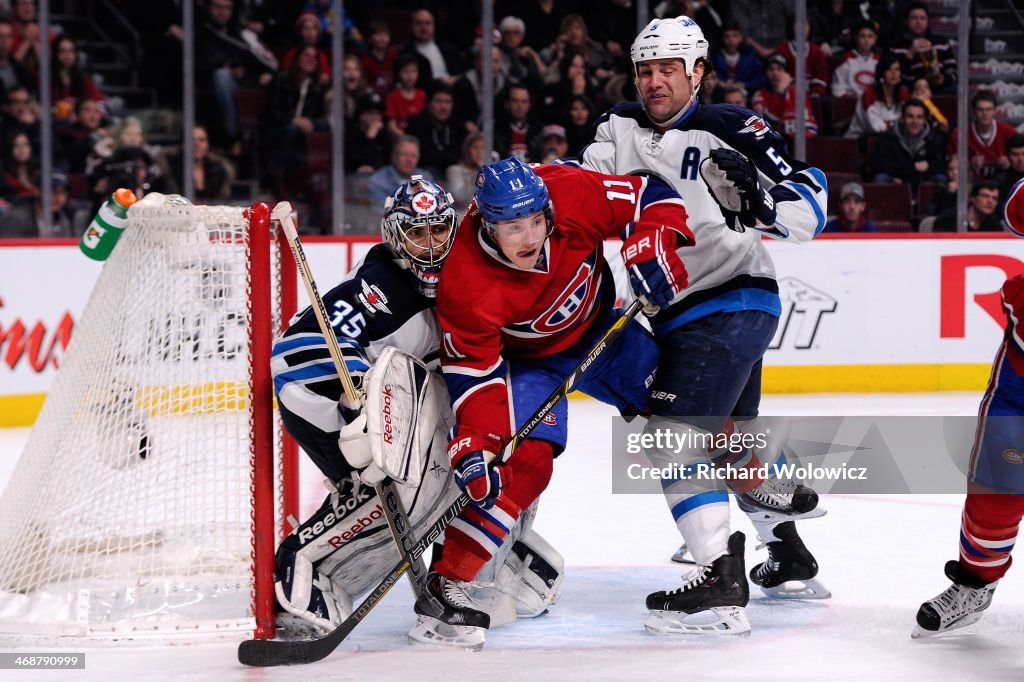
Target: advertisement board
896,313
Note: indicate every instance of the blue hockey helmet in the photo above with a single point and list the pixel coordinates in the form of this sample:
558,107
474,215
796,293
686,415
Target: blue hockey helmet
419,225
510,189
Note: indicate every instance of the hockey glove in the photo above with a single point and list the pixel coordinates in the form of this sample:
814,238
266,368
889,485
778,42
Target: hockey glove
482,484
735,184
656,272
353,440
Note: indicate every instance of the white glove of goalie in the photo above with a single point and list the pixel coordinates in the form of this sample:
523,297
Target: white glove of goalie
354,442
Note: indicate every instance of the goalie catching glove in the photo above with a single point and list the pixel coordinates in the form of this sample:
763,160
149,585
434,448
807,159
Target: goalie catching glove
735,184
656,272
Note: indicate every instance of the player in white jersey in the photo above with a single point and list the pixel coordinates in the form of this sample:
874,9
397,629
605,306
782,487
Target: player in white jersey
733,171
383,313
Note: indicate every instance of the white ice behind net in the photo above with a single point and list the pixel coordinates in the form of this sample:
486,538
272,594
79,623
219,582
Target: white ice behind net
129,511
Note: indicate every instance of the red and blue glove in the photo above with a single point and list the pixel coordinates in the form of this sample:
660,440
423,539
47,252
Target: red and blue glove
656,272
482,484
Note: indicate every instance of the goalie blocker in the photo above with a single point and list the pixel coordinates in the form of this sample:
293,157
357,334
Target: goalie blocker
345,548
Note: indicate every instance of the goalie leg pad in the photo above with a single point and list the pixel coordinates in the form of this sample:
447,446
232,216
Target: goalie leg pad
531,575
302,593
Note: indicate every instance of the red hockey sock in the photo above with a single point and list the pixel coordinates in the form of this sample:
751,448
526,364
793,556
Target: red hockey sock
473,538
988,530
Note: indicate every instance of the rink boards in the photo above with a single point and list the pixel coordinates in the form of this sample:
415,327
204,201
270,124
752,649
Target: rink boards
894,313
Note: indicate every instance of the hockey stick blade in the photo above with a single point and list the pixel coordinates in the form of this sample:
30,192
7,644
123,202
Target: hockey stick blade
269,652
264,653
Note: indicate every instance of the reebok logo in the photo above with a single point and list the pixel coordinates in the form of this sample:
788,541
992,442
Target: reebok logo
345,507
357,527
389,433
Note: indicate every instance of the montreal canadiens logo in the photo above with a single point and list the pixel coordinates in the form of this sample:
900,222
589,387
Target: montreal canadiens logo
550,419
424,203
1013,456
567,305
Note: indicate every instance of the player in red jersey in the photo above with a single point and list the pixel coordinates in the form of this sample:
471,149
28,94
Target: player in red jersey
995,497
526,293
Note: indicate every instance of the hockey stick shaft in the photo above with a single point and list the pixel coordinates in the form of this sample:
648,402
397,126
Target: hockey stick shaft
283,213
566,387
391,503
274,652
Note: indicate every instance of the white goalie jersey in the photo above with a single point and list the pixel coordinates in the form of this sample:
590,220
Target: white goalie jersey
728,270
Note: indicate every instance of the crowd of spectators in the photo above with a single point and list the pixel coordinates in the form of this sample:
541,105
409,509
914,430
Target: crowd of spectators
412,99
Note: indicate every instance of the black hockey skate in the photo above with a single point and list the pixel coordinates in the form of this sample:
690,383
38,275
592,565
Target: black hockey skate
711,601
446,615
790,569
776,500
962,604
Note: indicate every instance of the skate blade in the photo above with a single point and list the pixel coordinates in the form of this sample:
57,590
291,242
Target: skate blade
683,556
717,621
432,632
970,619
764,516
798,589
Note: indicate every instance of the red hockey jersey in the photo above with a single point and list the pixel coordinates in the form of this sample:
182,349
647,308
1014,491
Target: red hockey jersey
491,311
1013,304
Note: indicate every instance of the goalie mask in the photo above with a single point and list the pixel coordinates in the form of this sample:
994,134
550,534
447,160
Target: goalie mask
419,225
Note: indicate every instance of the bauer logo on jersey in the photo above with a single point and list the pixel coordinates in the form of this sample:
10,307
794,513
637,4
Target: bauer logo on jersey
373,299
756,125
424,203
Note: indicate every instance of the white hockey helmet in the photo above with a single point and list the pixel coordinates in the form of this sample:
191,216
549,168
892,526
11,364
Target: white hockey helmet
679,38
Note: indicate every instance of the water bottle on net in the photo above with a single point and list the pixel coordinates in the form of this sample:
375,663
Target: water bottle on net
105,229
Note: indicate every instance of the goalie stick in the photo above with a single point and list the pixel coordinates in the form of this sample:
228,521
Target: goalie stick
272,652
391,503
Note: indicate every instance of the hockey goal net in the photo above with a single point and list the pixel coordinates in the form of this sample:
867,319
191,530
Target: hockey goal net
151,490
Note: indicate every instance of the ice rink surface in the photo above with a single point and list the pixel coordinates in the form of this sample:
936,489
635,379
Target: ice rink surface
880,555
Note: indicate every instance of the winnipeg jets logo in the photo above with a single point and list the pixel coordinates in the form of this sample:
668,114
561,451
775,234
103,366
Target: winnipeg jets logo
373,299
756,125
424,203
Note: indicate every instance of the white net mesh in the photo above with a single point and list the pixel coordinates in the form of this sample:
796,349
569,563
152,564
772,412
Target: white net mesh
130,508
